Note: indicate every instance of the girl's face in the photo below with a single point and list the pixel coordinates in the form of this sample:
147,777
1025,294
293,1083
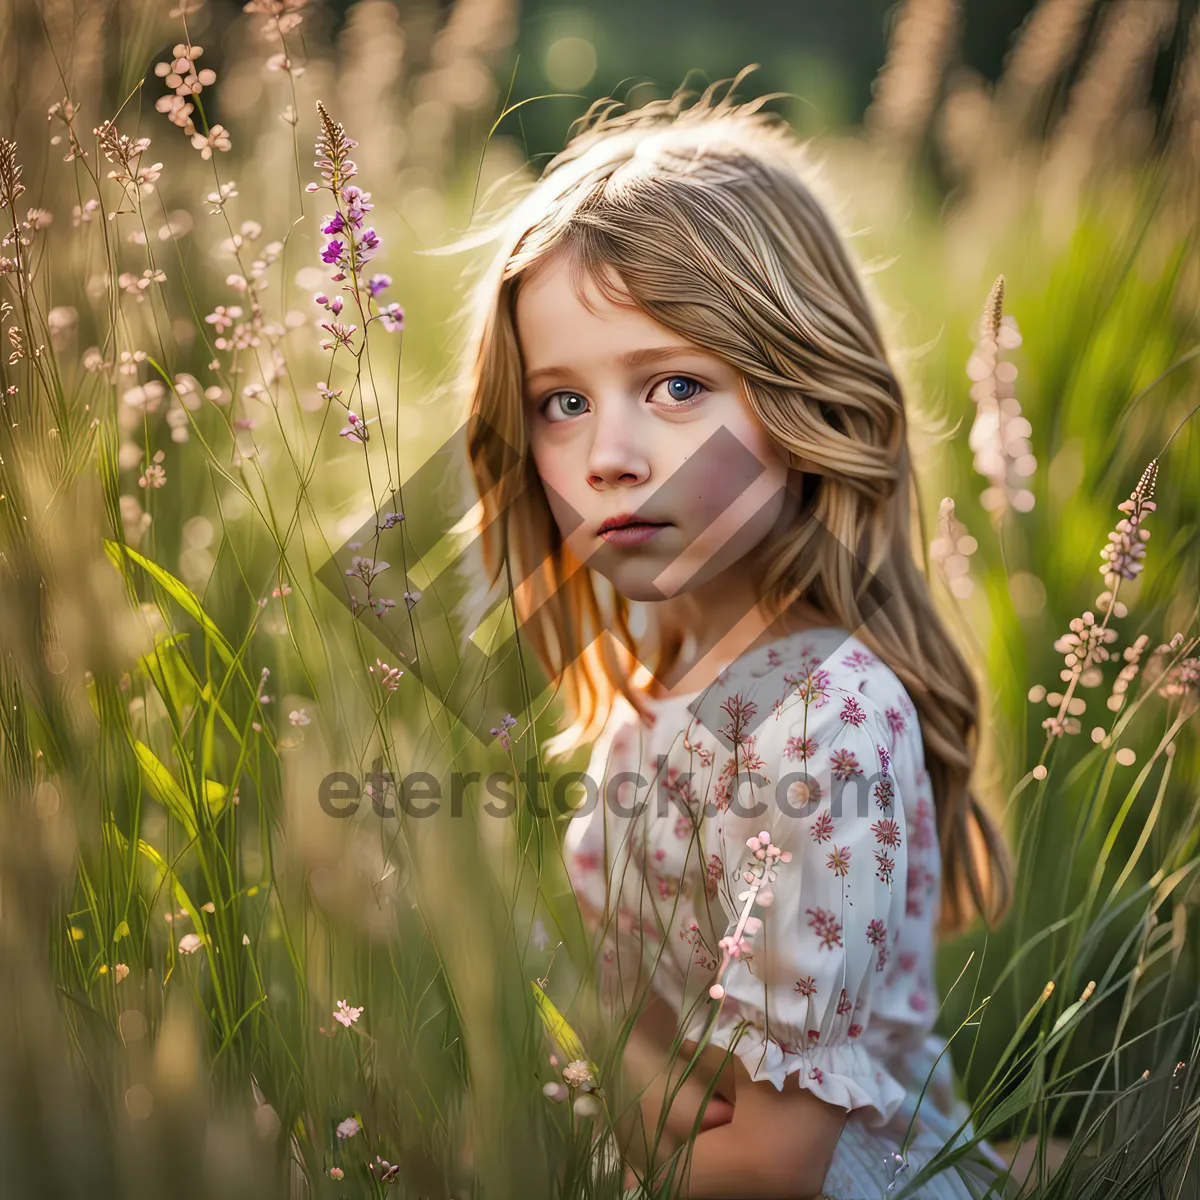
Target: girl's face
657,471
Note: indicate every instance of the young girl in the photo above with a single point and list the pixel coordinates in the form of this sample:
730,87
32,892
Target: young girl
691,455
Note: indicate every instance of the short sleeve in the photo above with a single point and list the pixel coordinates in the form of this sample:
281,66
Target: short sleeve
817,777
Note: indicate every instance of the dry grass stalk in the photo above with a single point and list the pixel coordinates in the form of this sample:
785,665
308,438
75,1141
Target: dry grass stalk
907,87
1114,81
1045,45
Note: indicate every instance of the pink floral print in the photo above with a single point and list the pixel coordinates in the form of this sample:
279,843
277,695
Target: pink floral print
839,861
826,926
885,759
885,864
809,716
844,765
859,660
801,749
822,828
713,874
884,792
886,831
923,829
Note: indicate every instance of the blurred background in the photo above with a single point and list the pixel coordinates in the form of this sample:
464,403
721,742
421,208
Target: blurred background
213,986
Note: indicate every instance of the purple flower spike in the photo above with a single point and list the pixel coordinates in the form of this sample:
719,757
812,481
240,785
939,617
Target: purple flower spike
350,246
357,204
367,245
501,734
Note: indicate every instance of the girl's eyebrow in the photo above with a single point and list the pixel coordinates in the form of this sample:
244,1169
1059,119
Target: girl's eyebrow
634,358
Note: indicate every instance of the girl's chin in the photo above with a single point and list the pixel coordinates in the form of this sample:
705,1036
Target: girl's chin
640,585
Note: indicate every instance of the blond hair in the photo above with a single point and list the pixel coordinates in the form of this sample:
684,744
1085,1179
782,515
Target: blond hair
707,217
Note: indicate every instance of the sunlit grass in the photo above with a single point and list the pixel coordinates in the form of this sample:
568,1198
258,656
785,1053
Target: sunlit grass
181,919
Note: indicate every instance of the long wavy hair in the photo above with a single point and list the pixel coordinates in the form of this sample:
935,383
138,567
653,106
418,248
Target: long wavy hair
706,215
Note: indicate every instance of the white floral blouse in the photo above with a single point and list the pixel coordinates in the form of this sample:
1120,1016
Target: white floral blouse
836,984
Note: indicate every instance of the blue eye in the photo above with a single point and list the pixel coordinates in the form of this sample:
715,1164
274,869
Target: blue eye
682,394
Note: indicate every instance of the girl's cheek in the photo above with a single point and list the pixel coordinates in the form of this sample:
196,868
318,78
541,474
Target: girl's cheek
566,499
555,473
543,459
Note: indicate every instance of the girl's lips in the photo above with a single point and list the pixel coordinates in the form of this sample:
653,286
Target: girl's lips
630,535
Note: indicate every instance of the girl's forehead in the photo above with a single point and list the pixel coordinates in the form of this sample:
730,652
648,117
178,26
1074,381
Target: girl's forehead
564,271
557,328
558,286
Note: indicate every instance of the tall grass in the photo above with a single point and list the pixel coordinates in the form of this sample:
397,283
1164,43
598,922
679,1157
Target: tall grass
181,917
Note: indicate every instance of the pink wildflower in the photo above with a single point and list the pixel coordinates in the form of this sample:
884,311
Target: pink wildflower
356,431
346,1014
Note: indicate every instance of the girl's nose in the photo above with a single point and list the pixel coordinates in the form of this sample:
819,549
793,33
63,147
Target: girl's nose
615,459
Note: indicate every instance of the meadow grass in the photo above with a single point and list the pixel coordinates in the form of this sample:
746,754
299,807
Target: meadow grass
211,986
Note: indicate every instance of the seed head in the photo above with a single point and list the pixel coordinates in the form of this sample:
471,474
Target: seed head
1127,543
11,186
1000,434
333,149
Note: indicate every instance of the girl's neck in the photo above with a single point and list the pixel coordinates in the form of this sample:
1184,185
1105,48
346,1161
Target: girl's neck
703,658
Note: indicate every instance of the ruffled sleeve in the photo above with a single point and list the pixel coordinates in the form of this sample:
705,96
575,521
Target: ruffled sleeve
816,776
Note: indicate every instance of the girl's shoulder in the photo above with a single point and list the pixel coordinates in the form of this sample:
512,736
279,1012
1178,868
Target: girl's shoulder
813,678
827,671
828,659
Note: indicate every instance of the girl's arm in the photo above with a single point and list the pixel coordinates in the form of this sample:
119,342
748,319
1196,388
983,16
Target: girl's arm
755,1141
651,1070
777,1147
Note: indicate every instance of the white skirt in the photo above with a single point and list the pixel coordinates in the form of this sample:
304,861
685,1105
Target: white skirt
864,1167
868,1164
